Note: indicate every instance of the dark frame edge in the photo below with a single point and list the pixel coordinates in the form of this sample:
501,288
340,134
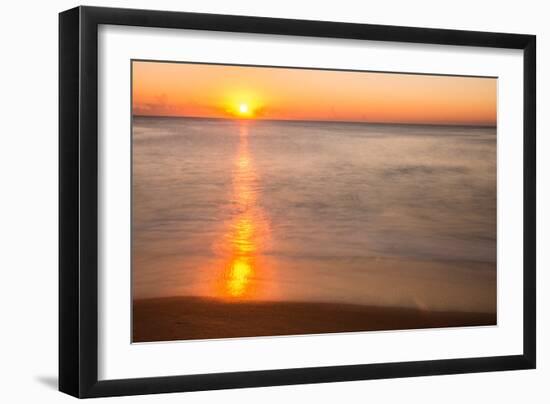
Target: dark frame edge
69,114
307,28
331,374
78,206
529,200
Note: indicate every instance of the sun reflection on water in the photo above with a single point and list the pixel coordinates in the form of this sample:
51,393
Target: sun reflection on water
246,234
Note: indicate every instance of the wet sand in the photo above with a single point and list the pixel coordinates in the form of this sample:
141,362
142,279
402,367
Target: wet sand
185,318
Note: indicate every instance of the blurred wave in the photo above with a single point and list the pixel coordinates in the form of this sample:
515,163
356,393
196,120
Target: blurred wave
365,213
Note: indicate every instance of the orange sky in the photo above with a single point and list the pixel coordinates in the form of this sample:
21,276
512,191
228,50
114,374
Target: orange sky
217,91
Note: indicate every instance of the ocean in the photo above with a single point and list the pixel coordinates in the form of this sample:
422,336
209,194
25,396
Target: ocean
257,210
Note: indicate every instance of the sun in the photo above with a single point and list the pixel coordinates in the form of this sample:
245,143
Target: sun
243,109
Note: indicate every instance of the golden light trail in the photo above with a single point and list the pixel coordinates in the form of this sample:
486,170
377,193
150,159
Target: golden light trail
247,233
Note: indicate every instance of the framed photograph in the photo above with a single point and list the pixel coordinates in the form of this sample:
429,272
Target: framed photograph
251,201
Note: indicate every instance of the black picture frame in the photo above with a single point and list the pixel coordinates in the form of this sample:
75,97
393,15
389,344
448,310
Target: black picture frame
78,201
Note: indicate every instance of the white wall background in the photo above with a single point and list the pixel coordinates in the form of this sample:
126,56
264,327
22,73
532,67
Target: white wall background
28,199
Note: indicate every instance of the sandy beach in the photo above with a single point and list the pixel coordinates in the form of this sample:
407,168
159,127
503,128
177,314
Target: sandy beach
185,318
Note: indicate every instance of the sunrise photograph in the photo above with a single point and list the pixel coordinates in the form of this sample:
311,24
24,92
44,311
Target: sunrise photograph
272,201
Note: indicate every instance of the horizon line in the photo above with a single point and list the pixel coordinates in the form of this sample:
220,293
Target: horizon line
473,125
